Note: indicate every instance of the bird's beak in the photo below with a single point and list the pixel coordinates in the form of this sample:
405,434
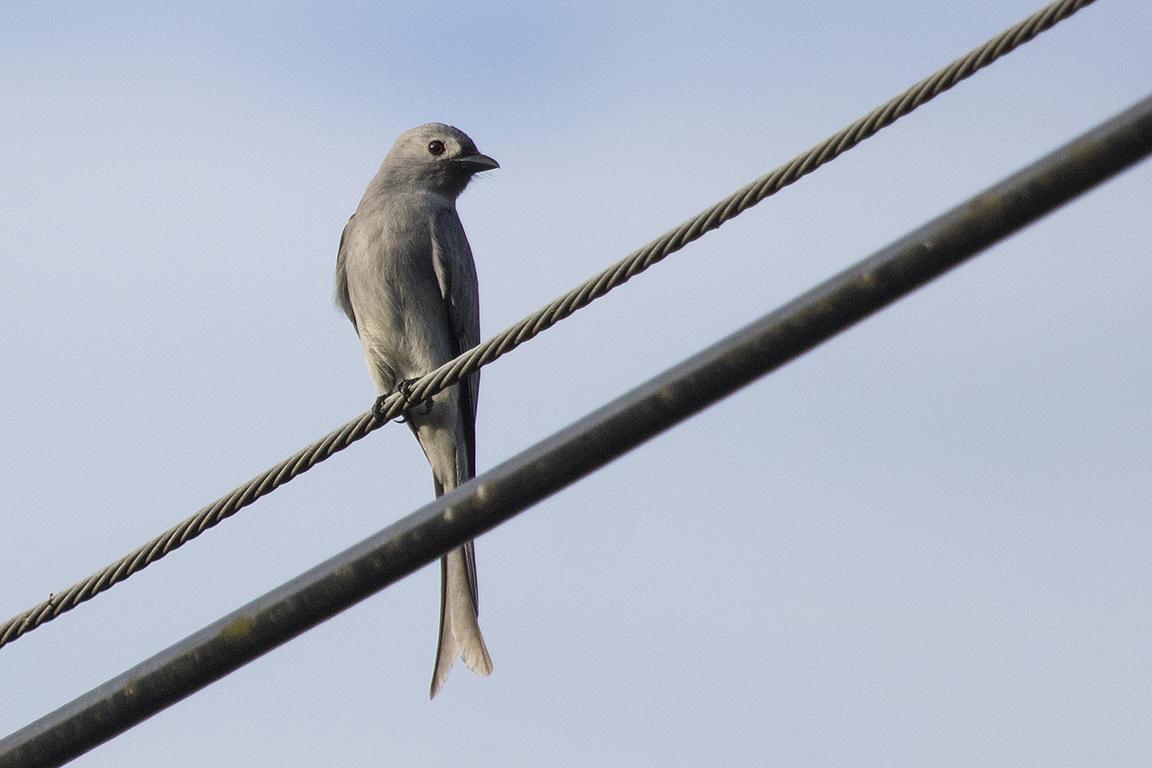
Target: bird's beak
476,163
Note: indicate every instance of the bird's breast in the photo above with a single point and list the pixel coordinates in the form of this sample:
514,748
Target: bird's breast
394,291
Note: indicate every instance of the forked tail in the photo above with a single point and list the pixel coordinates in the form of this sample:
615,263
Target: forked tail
459,626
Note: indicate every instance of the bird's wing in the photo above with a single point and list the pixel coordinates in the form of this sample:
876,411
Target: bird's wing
456,273
343,300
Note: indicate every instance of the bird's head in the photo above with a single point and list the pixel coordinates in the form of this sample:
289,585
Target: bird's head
435,155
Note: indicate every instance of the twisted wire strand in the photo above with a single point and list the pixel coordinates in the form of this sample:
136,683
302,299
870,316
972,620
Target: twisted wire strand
595,287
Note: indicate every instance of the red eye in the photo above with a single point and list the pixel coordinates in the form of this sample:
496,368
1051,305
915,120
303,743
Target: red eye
436,147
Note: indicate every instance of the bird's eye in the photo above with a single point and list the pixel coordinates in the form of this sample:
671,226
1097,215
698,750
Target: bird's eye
436,147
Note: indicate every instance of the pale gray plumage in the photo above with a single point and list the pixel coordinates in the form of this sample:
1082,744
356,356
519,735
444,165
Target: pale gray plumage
405,278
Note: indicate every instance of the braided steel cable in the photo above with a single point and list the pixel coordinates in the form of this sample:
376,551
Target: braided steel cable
394,405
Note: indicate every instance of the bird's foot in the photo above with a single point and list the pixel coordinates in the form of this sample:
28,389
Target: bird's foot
379,408
404,389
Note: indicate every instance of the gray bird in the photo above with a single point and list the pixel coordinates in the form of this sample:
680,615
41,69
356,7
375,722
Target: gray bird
405,278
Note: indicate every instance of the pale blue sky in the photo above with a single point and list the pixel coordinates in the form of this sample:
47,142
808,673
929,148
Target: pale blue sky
926,543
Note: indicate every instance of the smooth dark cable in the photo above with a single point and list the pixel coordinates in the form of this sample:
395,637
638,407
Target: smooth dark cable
592,442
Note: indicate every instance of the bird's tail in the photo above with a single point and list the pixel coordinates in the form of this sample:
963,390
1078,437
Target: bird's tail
459,626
